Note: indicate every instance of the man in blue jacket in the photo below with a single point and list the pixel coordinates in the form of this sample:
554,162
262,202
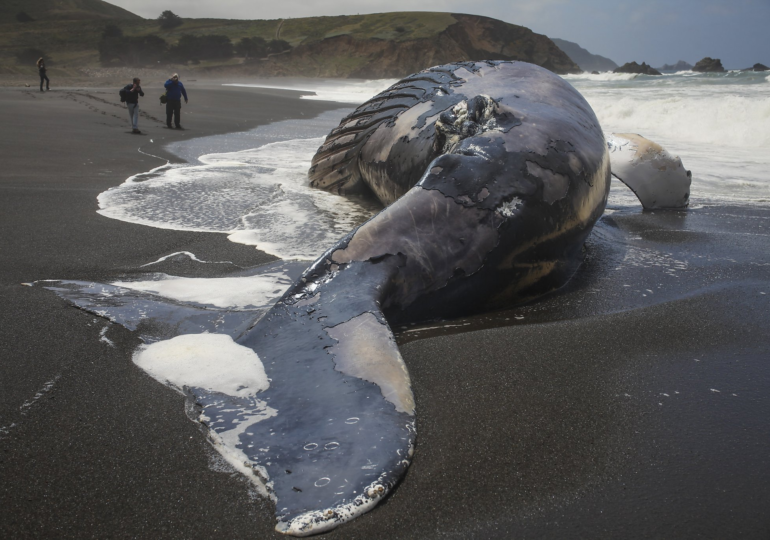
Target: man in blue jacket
174,92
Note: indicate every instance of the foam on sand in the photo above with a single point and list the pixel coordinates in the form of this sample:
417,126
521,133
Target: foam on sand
260,197
346,91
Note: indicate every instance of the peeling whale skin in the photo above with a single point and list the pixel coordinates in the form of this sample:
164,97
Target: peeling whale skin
492,174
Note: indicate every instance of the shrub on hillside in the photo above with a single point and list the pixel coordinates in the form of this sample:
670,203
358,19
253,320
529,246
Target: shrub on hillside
275,46
132,50
23,17
112,31
255,47
168,20
211,47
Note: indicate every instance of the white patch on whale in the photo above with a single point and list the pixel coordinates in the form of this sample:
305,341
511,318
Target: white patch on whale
210,361
244,292
214,363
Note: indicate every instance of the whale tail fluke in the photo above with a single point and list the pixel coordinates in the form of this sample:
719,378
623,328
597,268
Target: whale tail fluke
343,432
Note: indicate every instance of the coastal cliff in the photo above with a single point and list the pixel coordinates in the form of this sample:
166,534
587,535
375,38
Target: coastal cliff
586,60
386,54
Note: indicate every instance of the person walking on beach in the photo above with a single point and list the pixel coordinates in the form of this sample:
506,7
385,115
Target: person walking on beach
43,76
174,92
132,93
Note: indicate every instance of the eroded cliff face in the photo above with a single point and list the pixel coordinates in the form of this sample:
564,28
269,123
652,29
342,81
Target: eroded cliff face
470,38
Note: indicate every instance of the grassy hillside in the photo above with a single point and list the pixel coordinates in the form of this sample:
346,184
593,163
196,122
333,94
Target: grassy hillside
384,26
62,10
381,44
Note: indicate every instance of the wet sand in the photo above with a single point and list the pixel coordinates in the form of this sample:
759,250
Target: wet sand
634,403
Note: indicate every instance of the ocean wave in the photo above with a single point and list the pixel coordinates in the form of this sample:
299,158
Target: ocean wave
606,76
724,120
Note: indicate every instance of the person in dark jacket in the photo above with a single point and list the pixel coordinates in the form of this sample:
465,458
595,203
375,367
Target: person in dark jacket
43,76
133,91
174,92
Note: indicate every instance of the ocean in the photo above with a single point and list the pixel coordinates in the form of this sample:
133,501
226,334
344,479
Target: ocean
717,123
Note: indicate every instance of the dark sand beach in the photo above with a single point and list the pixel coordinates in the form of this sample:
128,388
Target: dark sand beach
633,403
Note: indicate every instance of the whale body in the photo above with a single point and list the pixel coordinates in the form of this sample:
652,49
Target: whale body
493,175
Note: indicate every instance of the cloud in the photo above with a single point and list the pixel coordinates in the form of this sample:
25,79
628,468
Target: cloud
537,6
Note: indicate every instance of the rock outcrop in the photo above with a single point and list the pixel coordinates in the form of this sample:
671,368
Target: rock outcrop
709,65
586,60
468,38
757,67
681,65
633,67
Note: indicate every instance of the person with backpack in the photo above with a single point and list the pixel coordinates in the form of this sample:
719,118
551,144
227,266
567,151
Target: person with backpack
130,94
174,92
43,76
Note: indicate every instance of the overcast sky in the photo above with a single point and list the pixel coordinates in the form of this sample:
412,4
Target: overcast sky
653,31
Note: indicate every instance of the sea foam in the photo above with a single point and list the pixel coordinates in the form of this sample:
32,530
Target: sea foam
260,197
347,91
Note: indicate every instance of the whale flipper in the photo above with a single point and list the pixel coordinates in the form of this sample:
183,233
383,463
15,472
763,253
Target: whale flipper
658,179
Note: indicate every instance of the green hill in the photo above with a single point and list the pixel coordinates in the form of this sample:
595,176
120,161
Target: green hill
47,10
369,46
